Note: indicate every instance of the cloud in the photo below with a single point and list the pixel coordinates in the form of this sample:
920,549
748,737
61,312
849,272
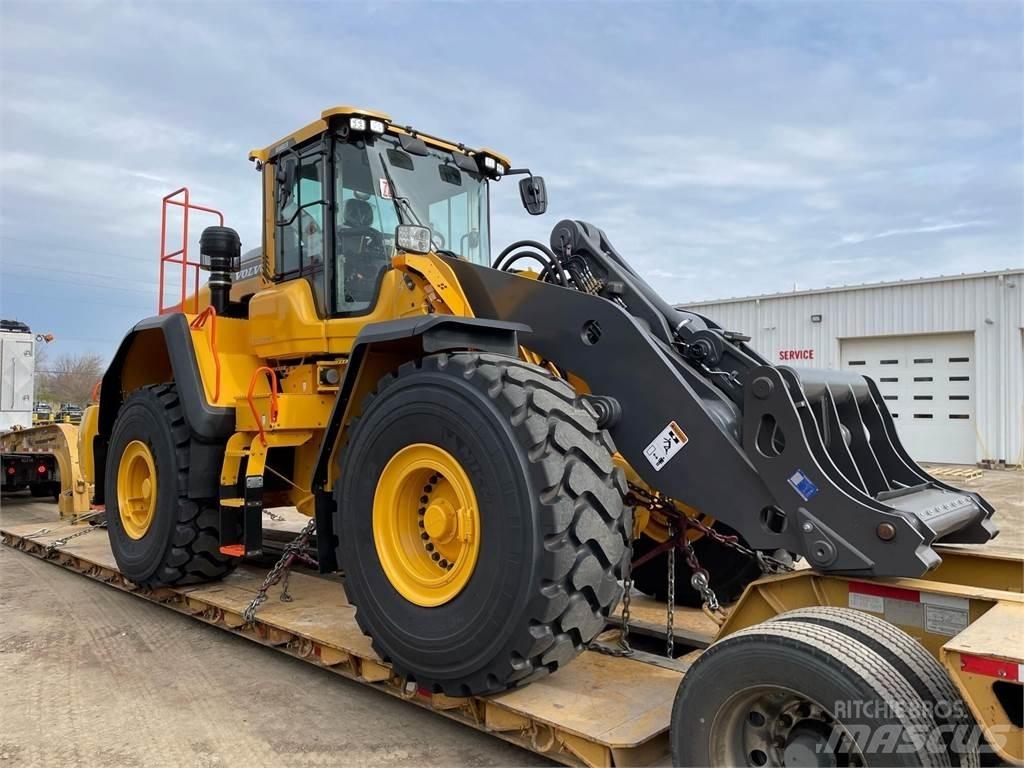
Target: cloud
726,149
949,226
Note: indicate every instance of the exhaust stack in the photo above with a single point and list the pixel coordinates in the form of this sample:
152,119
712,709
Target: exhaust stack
220,254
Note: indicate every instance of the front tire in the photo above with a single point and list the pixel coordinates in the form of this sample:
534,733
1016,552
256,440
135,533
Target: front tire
159,536
550,526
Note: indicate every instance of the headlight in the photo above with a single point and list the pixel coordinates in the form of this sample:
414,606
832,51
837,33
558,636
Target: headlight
412,238
490,163
357,123
376,126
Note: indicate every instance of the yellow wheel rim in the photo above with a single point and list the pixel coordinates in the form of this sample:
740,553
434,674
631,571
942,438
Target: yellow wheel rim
426,524
136,489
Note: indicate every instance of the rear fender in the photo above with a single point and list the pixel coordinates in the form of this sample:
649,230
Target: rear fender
159,350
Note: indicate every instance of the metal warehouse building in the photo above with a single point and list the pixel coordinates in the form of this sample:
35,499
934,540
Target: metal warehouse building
947,353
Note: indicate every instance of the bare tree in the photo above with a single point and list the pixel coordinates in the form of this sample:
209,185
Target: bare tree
70,378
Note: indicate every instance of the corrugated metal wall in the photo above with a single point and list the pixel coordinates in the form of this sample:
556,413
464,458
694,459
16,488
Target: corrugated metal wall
990,306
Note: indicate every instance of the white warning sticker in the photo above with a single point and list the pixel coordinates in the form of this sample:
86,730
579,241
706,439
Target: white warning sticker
862,602
385,189
666,445
945,614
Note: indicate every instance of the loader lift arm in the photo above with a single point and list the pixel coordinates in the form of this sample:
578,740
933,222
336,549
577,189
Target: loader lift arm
802,460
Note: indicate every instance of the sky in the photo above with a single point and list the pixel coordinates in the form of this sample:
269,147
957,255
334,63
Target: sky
727,149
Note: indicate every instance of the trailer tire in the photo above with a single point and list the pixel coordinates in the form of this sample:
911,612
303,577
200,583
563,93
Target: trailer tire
729,570
787,685
179,541
552,525
918,667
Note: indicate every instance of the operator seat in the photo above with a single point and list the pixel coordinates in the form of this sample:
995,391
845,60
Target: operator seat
362,249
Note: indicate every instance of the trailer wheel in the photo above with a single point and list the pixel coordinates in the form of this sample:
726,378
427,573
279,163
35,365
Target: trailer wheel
159,536
792,693
481,522
918,667
730,571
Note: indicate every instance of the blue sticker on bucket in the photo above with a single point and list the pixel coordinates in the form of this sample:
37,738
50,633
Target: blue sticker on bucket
802,484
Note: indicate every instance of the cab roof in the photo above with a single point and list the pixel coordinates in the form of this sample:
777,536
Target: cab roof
319,126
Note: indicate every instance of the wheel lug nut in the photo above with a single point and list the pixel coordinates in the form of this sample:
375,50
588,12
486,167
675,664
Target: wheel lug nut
424,499
424,536
436,557
430,547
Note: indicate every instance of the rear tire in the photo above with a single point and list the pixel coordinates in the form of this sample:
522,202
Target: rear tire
918,667
181,541
786,691
552,525
730,571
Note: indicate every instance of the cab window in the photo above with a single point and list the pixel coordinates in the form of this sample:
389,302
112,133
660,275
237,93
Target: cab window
300,221
365,232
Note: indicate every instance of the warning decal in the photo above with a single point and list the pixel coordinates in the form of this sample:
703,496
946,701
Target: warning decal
937,614
385,189
666,445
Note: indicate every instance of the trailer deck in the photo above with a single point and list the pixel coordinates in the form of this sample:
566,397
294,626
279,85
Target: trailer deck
598,711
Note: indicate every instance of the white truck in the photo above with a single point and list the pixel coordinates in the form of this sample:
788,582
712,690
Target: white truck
17,374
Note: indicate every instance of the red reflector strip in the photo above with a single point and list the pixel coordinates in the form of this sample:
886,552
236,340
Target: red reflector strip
881,590
233,550
976,665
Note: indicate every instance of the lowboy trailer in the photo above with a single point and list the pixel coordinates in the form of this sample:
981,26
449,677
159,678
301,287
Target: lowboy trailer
616,710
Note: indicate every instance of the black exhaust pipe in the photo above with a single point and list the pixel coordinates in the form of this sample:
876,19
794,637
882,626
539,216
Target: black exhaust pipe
220,254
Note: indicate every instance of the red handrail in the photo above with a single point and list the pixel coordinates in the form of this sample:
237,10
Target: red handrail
180,198
273,399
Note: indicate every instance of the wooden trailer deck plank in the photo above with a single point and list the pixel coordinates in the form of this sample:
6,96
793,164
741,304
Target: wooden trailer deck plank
599,710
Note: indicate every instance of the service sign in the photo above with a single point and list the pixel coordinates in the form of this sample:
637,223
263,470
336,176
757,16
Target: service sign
796,354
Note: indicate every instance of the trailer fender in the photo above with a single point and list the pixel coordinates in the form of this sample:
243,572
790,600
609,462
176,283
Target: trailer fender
158,350
379,349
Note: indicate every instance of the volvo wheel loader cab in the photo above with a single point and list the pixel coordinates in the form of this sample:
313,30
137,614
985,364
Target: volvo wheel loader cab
448,419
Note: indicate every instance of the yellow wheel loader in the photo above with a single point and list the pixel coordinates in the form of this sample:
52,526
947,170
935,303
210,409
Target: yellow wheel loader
490,445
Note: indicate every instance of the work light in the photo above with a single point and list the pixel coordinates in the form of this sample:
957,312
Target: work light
413,238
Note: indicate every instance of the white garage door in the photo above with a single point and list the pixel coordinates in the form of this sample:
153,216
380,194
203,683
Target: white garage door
928,384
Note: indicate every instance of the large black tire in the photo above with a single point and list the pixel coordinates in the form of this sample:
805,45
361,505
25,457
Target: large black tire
182,544
553,534
722,712
730,571
918,667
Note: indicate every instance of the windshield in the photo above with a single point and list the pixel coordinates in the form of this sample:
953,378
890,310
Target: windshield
430,191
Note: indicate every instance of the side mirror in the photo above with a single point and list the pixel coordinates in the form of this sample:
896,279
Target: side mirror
287,177
534,195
